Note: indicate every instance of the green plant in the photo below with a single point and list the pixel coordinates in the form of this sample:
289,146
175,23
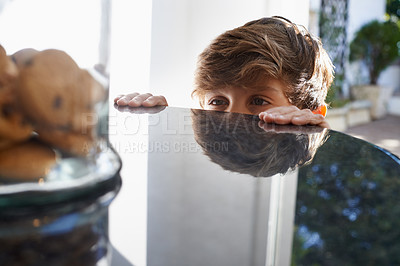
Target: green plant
377,45
393,8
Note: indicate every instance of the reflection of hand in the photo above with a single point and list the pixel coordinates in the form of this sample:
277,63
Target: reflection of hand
285,115
136,100
269,127
140,110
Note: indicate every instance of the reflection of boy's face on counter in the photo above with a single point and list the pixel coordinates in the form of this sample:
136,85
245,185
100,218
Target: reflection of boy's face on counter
240,143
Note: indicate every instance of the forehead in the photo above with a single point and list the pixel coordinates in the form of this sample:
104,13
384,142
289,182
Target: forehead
273,86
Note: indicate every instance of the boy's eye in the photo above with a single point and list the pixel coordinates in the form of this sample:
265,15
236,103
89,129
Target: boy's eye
218,102
259,101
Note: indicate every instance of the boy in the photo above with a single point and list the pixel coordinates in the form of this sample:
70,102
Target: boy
268,67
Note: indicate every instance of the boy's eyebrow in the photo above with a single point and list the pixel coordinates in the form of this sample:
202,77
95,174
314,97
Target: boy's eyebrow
254,89
213,92
265,88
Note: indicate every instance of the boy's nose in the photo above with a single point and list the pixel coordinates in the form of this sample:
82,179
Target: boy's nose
238,109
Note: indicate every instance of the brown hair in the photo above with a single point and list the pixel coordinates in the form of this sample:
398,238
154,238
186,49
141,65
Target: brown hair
267,48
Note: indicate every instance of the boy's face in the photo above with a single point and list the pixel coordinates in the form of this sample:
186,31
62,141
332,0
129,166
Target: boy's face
247,101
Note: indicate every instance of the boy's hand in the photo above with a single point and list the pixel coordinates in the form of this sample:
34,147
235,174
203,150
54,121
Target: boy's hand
136,100
292,115
140,110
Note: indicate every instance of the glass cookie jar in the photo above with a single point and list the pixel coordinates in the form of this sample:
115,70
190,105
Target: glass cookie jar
58,173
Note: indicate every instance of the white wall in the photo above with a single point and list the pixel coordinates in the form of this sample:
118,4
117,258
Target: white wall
390,77
181,29
130,46
155,45
363,11
360,13
296,11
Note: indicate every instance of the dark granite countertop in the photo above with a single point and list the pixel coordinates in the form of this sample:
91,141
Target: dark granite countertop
211,188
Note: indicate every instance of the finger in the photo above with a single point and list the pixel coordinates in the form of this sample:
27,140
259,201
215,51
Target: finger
118,97
299,117
281,119
309,118
141,109
282,110
269,127
315,119
267,117
277,113
155,101
139,99
123,100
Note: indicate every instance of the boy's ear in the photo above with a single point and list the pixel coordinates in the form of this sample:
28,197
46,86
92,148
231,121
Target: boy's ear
321,110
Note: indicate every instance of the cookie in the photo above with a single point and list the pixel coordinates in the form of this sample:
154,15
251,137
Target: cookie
5,143
74,143
8,69
13,125
91,92
47,88
59,98
22,57
26,161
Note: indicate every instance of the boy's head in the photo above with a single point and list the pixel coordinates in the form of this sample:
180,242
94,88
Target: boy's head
264,50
